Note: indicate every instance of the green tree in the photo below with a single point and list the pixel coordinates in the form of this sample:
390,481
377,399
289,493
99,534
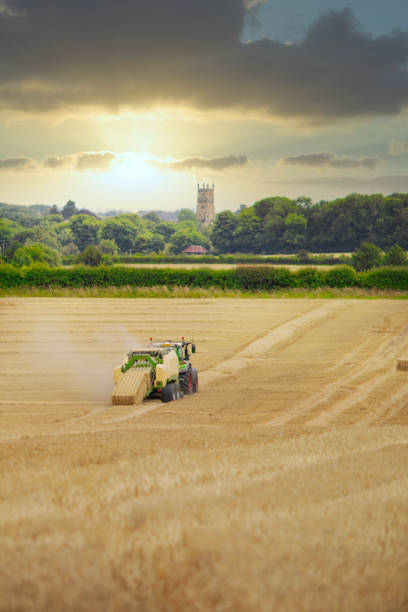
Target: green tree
277,205
43,234
148,242
54,219
248,234
36,253
53,210
69,210
108,247
367,256
304,202
84,230
184,238
133,218
122,231
395,256
223,230
9,230
92,255
70,250
180,240
157,243
11,248
64,233
22,257
273,212
294,236
185,214
166,230
152,216
345,223
188,225
273,229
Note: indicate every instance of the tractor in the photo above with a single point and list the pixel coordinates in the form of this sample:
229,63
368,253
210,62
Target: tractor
160,370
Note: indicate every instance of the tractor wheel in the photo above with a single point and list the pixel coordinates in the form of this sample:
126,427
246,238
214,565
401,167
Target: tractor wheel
186,382
170,392
194,376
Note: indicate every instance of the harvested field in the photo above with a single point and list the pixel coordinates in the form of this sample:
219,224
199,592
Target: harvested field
281,485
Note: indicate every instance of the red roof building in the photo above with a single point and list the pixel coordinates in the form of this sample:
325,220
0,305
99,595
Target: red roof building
195,249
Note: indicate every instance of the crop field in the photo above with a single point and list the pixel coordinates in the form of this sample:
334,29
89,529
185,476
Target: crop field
281,485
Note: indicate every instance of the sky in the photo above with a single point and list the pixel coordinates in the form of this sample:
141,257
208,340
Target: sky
128,104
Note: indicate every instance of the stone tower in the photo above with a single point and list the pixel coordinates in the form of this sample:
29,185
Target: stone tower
205,204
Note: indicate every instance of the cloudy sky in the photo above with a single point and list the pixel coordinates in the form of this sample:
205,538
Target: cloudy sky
129,103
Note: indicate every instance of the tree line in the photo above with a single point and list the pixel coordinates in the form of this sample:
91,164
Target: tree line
271,225
29,234
280,225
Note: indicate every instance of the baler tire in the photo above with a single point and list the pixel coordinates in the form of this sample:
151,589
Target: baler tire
170,392
194,376
186,382
167,393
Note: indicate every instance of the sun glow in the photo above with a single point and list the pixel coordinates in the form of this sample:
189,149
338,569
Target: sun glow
132,171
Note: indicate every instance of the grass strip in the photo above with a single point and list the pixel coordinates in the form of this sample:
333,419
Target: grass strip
201,292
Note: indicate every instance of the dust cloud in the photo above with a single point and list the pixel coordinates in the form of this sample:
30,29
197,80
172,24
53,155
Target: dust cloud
77,366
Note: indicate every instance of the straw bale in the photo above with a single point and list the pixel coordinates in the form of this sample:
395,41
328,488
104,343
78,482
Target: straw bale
402,364
132,387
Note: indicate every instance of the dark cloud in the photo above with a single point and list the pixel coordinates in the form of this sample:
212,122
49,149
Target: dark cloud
147,53
16,163
321,160
94,161
196,163
58,163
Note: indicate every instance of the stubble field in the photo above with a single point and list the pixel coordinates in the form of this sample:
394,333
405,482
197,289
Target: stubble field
281,485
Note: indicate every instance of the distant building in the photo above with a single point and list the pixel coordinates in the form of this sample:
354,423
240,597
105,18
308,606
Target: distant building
205,204
195,249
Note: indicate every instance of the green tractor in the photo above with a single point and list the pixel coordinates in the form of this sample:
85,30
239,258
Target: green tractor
161,370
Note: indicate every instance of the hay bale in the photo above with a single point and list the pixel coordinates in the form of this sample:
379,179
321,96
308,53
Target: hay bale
402,364
131,387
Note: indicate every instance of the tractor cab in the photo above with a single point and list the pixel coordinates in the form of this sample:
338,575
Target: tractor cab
181,348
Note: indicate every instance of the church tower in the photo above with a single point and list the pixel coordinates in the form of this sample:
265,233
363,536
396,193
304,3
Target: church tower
205,204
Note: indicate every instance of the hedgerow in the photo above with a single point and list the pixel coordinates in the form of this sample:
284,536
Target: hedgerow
327,260
310,277
264,277
341,276
246,278
384,278
10,276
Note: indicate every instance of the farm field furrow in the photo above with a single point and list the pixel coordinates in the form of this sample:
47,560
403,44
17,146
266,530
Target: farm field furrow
281,485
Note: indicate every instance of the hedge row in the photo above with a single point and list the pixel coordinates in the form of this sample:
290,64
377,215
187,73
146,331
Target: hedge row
327,260
39,275
384,278
249,278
